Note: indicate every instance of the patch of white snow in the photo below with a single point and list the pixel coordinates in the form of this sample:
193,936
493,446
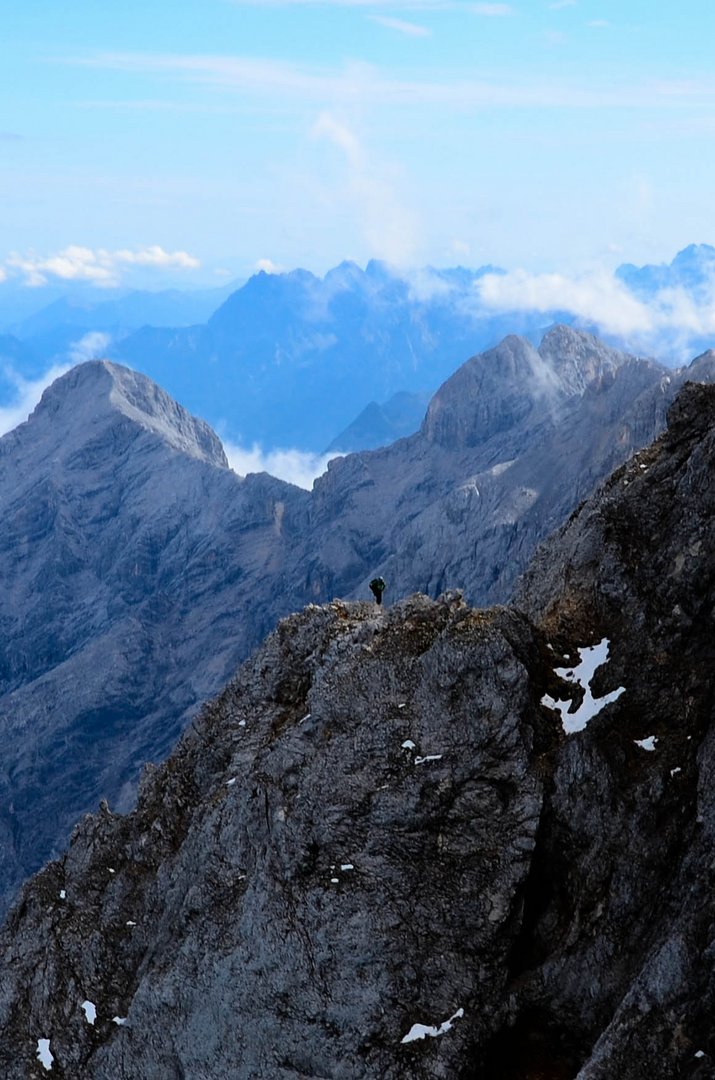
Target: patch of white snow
428,757
90,1011
676,770
422,1031
347,866
231,782
44,1054
304,718
63,894
241,723
408,745
402,705
119,1019
647,744
591,657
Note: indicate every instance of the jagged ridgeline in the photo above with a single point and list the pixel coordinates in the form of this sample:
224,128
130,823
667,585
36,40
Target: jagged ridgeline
378,853
392,848
138,570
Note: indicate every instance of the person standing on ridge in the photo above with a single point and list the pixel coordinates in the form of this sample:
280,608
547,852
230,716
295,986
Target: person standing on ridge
377,587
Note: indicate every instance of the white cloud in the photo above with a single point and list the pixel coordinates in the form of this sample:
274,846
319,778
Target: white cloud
98,266
294,466
408,28
27,393
390,229
90,347
667,320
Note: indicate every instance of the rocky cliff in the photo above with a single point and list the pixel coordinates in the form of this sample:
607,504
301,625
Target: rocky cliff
139,571
124,535
429,841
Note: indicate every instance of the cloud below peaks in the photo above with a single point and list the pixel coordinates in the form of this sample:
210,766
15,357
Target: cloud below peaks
294,466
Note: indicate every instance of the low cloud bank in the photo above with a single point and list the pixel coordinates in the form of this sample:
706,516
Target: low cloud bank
97,266
27,393
669,320
297,467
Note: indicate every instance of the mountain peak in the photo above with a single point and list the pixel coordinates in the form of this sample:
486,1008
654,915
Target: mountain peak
91,393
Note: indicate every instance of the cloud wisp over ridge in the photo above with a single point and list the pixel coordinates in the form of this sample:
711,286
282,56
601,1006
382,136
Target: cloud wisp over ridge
667,321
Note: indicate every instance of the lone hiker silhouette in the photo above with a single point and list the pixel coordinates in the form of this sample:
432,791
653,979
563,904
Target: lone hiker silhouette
377,587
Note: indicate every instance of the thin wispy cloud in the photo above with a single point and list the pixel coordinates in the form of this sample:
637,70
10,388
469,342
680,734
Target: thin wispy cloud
409,29
27,394
90,346
366,84
389,227
97,266
598,24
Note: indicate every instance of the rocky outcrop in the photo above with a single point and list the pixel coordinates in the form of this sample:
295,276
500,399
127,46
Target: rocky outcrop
334,856
138,570
426,841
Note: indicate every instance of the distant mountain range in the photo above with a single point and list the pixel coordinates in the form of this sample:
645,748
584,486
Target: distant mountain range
293,360
138,569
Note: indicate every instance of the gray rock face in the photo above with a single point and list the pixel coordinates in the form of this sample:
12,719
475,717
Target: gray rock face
120,518
382,823
334,854
138,570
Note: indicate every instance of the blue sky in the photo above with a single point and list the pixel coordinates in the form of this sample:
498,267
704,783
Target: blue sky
195,141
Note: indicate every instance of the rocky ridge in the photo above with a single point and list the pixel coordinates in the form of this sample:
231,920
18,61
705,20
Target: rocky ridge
139,570
380,853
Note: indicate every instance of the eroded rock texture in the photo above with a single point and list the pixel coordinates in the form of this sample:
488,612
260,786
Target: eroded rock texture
382,823
337,851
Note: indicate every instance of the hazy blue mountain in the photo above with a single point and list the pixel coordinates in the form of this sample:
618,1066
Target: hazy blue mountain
121,311
692,269
292,359
379,425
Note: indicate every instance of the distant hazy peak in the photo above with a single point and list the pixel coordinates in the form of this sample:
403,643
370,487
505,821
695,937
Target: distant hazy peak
98,388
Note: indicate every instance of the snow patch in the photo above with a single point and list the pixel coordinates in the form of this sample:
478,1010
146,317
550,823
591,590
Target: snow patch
591,657
231,782
676,770
647,744
90,1011
347,866
422,1031
408,745
119,1020
63,894
304,718
44,1054
402,705
428,757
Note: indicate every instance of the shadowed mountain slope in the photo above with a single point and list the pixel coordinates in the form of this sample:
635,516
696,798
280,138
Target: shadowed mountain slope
381,850
138,570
